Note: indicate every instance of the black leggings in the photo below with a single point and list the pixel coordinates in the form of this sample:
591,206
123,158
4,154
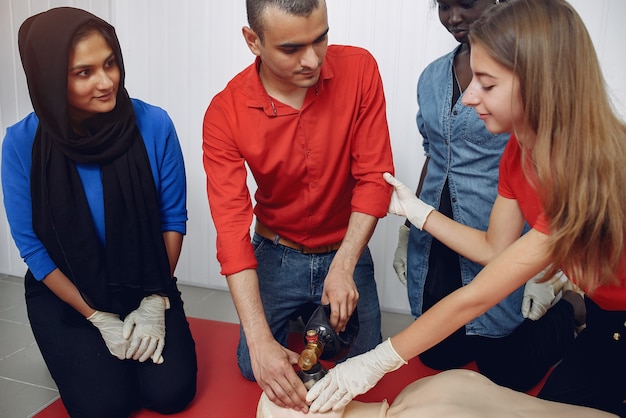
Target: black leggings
593,372
518,361
91,381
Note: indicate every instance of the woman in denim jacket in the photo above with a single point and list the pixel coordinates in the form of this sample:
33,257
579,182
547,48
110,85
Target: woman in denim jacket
460,178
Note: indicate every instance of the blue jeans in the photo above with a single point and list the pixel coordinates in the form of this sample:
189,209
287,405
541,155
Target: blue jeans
289,279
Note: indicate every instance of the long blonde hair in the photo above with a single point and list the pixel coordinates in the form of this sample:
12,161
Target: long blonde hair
579,151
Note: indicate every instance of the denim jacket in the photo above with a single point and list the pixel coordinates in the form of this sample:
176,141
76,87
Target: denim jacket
462,151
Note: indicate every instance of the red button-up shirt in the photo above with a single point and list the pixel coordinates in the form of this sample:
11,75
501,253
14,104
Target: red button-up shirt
313,167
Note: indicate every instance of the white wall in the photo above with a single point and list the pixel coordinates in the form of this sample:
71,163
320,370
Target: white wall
179,54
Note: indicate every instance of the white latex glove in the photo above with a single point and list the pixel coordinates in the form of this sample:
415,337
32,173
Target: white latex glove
405,203
110,327
539,297
146,328
353,377
399,258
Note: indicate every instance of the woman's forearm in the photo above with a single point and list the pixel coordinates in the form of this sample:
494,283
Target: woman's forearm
505,226
65,290
512,268
173,245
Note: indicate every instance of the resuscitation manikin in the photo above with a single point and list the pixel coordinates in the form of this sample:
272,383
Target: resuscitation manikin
323,342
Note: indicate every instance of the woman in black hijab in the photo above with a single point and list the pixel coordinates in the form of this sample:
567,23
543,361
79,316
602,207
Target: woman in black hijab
94,187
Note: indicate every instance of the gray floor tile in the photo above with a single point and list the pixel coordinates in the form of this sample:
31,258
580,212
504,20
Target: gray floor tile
18,400
209,304
12,279
15,337
11,295
16,314
27,366
192,294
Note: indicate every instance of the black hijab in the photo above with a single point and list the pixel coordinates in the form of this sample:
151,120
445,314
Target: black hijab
134,262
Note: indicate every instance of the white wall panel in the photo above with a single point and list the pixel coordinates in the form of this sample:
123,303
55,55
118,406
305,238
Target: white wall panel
179,54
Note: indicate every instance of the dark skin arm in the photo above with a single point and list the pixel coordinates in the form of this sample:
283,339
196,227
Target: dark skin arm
173,245
65,290
420,185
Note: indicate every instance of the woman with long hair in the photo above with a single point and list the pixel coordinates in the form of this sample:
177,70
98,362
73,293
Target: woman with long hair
460,179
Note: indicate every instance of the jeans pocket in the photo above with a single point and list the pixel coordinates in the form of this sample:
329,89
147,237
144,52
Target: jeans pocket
258,243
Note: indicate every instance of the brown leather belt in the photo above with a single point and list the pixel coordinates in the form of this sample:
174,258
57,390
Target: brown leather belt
265,232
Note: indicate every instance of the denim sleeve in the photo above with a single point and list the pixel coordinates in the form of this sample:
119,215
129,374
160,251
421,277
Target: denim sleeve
420,124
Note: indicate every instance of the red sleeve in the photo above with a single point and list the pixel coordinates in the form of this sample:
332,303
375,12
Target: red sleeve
371,147
514,184
508,156
229,197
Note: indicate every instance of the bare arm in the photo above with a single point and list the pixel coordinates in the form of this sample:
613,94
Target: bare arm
505,226
173,245
65,290
420,184
244,289
271,362
339,287
512,268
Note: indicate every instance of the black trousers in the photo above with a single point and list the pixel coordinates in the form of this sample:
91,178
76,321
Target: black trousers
518,361
593,372
91,381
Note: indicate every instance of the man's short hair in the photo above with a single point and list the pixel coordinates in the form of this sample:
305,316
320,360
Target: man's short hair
255,9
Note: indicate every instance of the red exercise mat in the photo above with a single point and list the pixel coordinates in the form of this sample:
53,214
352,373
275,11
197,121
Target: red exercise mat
223,392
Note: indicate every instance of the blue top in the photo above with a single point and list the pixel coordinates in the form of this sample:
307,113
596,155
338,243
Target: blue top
462,151
166,161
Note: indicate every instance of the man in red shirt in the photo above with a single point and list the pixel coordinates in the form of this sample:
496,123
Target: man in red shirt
309,122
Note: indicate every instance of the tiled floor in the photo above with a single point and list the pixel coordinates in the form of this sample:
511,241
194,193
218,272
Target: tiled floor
25,384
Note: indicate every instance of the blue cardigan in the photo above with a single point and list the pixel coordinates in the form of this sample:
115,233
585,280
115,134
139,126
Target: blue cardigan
166,161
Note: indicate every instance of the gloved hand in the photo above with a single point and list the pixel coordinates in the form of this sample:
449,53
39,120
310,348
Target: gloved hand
405,203
146,328
538,297
399,258
353,377
110,327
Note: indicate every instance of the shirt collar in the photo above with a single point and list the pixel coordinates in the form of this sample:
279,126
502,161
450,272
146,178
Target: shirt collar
259,98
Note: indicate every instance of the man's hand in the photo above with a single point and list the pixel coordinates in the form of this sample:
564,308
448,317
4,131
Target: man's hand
341,293
145,326
110,327
353,377
538,297
405,203
272,365
399,258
